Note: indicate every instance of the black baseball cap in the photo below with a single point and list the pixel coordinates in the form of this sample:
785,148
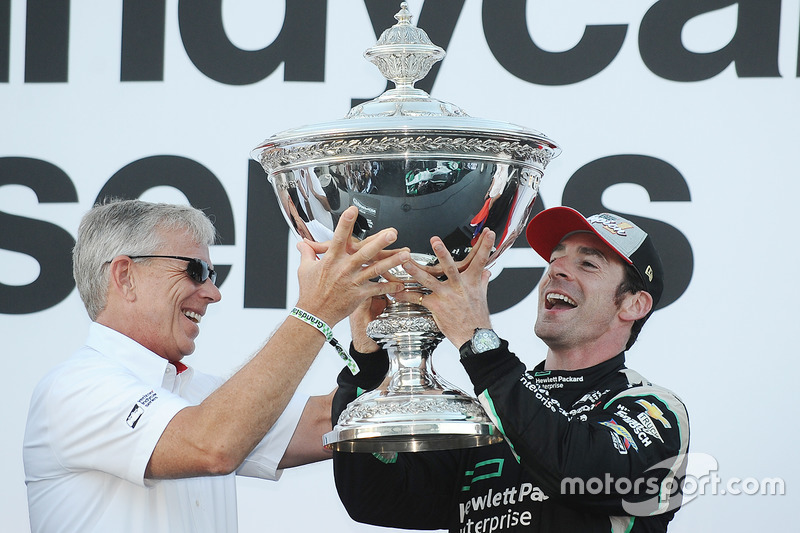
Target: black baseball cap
547,229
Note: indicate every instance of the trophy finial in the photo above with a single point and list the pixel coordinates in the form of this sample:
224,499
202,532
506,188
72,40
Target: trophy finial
404,53
403,16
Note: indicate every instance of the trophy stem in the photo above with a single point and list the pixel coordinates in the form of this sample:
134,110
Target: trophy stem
413,409
409,334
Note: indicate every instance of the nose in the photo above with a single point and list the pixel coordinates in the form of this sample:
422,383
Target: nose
211,291
558,268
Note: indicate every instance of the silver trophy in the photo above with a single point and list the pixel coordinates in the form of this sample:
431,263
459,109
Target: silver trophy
424,167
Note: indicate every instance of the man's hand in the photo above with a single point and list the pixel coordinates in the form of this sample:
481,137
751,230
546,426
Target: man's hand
334,286
360,319
459,302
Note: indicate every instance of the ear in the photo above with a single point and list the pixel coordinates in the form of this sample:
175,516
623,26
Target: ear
121,278
636,306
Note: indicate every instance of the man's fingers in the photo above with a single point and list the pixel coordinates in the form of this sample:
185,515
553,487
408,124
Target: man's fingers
318,247
307,252
411,297
464,263
382,267
449,267
388,253
389,277
373,246
368,249
485,245
343,231
390,287
418,273
478,257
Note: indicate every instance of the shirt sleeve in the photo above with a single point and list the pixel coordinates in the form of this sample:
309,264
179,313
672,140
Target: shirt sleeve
98,418
372,370
263,461
625,455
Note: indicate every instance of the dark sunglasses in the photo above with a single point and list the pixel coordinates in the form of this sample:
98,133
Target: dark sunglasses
197,269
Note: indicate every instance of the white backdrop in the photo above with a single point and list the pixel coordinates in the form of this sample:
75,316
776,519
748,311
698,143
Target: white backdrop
726,346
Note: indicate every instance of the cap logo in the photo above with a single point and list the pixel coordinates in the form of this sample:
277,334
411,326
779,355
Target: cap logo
612,224
649,272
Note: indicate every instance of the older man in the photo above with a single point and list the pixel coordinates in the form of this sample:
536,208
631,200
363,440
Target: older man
591,446
123,436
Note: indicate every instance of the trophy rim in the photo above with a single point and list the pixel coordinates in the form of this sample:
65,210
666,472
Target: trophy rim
324,144
411,436
351,129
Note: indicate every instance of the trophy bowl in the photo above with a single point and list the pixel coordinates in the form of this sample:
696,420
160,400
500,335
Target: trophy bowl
425,168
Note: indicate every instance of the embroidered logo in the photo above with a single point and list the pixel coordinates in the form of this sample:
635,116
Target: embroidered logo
134,416
654,412
627,438
612,224
138,409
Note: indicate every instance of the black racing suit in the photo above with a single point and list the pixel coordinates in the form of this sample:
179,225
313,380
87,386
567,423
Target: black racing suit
599,449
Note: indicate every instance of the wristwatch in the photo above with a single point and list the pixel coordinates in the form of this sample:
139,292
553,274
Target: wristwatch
482,340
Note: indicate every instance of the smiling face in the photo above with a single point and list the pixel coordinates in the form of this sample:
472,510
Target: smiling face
169,305
577,309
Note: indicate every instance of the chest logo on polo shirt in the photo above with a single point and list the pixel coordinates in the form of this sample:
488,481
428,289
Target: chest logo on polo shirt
138,409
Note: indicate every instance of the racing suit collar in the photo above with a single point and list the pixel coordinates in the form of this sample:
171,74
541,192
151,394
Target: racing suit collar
578,381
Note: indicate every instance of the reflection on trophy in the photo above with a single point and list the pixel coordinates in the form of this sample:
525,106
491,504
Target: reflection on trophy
424,167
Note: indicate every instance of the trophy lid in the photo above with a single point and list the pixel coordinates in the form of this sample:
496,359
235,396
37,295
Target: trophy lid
405,119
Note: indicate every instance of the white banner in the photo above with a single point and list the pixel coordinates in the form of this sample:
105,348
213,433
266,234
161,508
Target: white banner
681,113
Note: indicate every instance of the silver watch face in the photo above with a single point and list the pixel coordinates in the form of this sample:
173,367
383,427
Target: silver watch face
484,340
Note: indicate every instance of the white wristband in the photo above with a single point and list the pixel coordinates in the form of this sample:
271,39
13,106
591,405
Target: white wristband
326,330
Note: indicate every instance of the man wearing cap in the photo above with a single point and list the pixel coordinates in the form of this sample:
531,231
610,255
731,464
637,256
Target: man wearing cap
590,445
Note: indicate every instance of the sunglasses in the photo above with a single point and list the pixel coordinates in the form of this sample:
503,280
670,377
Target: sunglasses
197,269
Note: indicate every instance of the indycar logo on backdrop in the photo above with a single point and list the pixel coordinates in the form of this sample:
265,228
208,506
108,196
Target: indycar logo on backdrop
754,48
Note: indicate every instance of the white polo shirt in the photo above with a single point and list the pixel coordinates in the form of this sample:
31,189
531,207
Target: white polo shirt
93,424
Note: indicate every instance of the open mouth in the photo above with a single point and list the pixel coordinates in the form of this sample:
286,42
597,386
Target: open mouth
191,315
555,300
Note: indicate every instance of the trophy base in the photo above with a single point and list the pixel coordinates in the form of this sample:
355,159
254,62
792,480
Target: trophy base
383,421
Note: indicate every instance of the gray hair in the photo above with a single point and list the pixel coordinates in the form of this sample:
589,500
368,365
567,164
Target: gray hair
127,227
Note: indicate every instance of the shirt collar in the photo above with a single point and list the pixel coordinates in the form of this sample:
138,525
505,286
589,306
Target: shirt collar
143,363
